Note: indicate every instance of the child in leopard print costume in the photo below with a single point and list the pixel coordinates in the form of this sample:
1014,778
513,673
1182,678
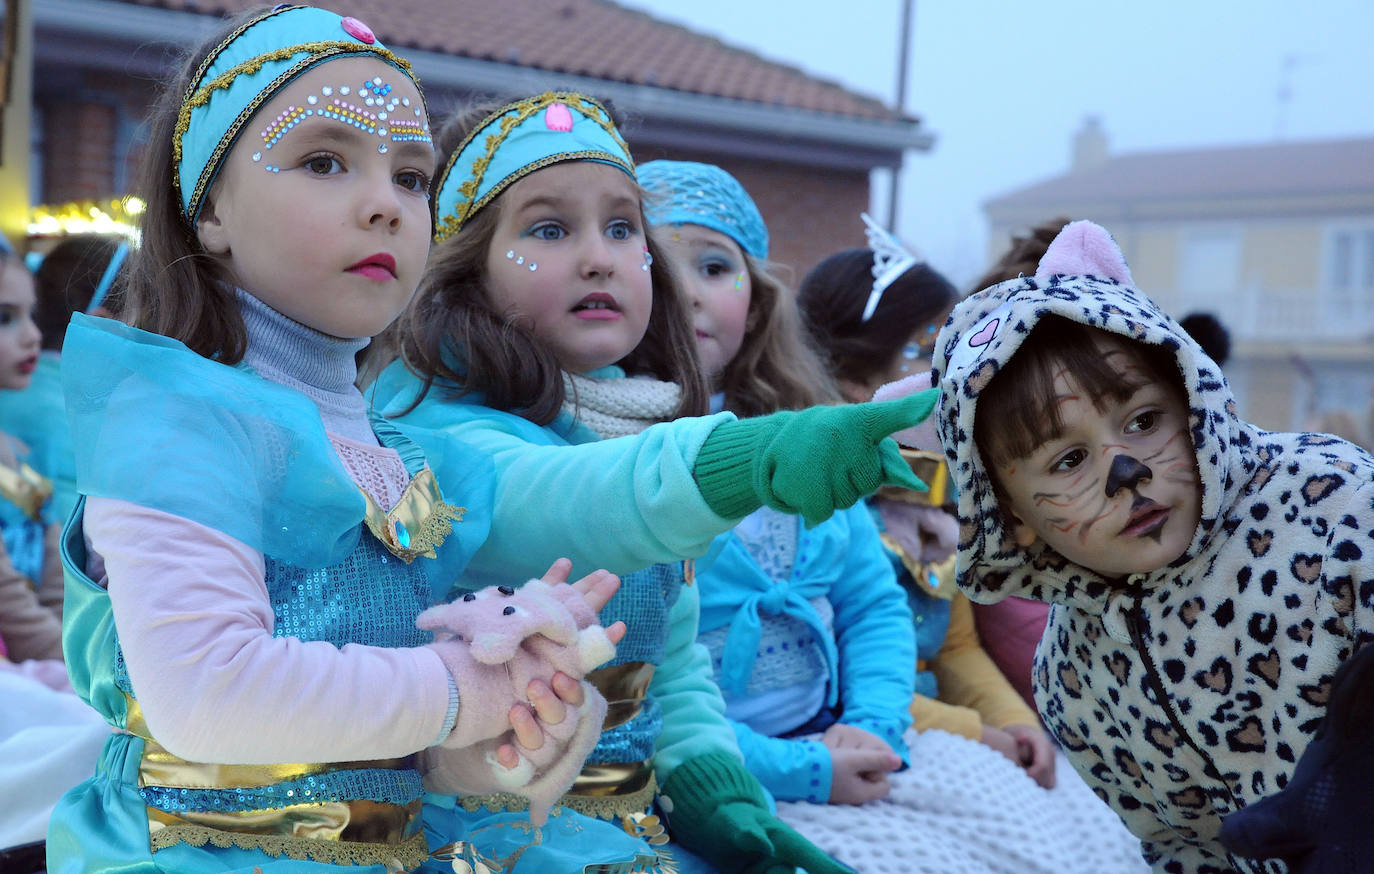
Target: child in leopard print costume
1208,577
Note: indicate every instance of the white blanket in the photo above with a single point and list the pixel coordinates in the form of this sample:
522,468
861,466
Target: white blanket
964,808
49,742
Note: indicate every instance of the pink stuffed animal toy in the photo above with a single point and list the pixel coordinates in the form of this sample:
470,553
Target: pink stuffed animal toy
494,643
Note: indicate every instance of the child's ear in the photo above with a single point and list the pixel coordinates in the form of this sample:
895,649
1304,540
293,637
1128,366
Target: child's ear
1022,533
211,231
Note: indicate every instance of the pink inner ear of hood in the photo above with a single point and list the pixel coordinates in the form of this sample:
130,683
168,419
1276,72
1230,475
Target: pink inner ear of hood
1083,248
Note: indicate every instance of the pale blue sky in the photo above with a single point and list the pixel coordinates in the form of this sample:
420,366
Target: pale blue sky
1005,83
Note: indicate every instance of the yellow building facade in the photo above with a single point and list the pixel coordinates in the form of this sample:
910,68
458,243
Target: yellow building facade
1275,240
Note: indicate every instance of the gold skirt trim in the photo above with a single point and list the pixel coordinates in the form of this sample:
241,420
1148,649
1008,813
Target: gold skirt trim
405,856
361,822
610,792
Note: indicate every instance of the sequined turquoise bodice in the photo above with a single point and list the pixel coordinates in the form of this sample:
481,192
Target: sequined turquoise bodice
643,602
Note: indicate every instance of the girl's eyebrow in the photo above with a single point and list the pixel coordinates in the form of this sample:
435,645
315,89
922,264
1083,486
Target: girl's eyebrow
319,131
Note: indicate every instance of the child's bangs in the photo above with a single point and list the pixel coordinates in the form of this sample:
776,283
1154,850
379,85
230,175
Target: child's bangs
1019,410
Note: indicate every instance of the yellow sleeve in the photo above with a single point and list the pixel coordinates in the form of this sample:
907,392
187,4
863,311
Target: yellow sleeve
928,713
968,677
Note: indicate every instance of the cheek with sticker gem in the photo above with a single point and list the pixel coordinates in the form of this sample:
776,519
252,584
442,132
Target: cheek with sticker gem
648,259
739,281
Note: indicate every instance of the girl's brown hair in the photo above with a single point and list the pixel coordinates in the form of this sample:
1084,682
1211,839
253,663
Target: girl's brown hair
776,367
454,334
833,296
173,286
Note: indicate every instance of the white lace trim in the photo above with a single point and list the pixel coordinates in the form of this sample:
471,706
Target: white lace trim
377,470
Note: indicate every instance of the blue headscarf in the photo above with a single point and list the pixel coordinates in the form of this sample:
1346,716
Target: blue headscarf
688,193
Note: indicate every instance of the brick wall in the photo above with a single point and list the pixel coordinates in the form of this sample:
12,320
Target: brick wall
78,150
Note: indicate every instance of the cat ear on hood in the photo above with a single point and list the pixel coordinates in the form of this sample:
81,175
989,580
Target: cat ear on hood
1083,248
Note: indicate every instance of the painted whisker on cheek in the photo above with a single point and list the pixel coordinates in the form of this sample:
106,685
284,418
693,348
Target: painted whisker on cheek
1064,529
1165,447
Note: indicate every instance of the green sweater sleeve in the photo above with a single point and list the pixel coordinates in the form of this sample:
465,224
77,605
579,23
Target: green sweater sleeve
694,722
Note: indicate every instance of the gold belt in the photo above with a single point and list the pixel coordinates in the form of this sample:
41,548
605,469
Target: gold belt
341,832
624,687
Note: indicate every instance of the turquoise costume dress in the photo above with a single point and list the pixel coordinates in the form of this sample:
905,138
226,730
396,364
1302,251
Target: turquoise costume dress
37,416
253,461
664,706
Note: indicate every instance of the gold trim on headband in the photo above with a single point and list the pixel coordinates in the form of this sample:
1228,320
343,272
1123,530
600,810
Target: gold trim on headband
318,51
507,118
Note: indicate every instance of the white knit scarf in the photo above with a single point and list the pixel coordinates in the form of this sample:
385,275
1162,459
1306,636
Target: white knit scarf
619,406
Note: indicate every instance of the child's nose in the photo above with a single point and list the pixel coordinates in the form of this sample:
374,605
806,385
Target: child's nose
1126,473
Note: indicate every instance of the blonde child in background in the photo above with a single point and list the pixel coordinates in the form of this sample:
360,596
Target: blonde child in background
810,633
252,550
550,333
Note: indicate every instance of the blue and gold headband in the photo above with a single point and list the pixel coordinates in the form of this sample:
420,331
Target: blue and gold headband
245,71
518,139
689,193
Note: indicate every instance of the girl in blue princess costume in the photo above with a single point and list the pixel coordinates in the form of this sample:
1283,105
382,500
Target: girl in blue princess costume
809,630
30,570
251,552
548,332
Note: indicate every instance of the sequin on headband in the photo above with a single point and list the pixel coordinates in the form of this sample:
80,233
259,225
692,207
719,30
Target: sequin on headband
245,71
518,139
689,193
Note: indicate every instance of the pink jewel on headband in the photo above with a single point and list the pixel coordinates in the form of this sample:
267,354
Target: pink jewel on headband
359,31
558,117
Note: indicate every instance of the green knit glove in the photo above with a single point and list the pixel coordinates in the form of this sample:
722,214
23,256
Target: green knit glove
811,462
717,810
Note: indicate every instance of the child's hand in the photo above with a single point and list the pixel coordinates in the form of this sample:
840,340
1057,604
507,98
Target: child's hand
859,775
1036,753
859,764
840,736
550,702
1026,746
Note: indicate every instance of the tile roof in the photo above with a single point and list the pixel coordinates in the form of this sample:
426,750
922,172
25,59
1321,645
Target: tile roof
594,38
1271,170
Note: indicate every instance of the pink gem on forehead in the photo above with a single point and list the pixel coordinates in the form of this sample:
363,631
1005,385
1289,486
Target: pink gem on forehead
358,30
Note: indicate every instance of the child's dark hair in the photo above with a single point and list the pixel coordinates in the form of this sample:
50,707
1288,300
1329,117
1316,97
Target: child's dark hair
452,331
1024,255
832,299
1017,411
66,282
777,366
174,287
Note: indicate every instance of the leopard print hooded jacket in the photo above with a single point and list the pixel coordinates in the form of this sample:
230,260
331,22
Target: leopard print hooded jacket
1188,692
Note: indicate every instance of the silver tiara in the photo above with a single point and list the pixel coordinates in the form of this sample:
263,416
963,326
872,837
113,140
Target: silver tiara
890,260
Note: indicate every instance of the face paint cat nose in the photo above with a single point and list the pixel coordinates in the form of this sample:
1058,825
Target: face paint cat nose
1126,473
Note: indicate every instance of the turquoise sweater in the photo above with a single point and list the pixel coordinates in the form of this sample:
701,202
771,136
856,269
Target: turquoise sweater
621,504
871,657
